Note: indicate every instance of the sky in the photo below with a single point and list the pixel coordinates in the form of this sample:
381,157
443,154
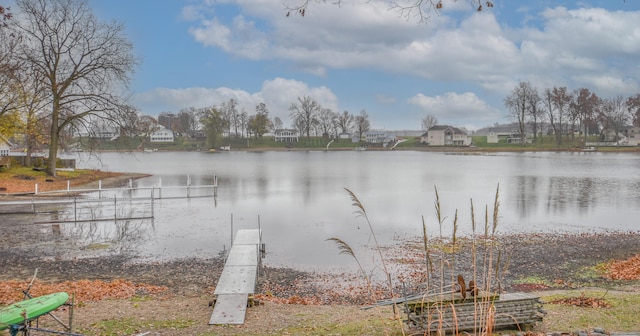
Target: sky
363,55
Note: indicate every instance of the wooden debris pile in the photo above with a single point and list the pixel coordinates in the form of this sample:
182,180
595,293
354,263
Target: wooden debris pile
582,301
483,312
469,309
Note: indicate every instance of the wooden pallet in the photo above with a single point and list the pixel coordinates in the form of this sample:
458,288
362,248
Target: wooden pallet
453,313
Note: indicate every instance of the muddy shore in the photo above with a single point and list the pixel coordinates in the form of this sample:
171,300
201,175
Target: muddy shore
555,260
531,262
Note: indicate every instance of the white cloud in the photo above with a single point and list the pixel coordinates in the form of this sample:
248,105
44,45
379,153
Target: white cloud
457,45
173,100
240,38
279,93
455,109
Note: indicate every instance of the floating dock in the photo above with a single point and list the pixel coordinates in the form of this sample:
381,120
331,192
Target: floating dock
238,278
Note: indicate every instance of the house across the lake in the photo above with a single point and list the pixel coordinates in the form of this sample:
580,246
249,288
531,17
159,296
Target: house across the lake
162,135
631,136
380,137
286,135
444,135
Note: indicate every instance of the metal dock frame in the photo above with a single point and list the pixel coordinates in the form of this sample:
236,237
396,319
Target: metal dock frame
238,278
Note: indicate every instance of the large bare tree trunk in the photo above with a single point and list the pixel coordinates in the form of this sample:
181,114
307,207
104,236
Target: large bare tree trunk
83,63
53,141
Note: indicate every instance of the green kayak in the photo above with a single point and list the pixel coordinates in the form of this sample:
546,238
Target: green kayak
14,313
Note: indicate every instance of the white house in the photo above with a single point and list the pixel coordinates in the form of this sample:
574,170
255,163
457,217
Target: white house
631,136
443,135
344,135
162,135
379,137
286,135
5,146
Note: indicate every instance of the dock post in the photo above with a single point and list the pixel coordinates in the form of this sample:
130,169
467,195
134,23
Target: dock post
188,186
68,185
36,191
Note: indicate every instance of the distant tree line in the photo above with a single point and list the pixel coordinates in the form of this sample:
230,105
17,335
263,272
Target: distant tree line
569,112
308,117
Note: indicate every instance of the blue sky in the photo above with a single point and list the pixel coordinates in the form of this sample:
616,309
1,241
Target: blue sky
459,66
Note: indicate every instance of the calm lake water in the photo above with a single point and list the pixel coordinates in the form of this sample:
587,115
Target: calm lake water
299,201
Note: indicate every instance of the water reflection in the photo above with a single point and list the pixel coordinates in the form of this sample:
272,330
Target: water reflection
122,237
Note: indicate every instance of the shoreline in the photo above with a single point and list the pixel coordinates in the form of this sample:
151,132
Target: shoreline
620,149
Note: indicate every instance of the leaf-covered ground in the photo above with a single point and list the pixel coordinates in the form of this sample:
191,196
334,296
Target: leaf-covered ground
628,269
12,182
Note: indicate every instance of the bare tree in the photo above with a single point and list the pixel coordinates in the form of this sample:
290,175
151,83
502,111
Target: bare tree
305,114
583,109
408,9
633,104
187,120
83,62
326,120
10,69
536,114
345,121
5,16
520,102
556,104
242,121
277,123
127,121
362,123
549,108
145,125
428,121
614,114
229,112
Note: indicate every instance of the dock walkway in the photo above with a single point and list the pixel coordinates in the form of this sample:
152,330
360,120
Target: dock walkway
238,278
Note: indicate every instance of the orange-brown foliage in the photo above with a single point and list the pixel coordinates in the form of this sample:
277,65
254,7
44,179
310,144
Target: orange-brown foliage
83,290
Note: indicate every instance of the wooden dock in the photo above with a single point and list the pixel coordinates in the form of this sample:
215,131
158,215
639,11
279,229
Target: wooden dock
238,278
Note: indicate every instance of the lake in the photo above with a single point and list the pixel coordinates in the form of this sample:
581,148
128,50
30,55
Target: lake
299,201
